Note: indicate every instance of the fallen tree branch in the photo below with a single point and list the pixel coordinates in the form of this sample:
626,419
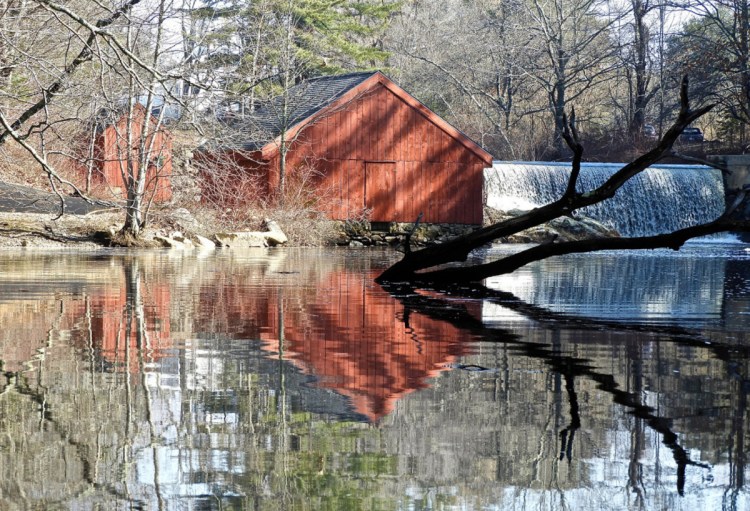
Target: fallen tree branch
411,266
509,264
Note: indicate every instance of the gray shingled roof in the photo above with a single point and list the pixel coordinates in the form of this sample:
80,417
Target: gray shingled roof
303,101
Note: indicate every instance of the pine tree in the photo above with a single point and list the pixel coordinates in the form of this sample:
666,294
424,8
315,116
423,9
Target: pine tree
246,47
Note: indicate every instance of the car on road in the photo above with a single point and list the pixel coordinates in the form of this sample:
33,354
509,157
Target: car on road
691,136
649,131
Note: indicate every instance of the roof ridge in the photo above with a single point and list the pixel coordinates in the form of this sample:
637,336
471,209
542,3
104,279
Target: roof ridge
342,75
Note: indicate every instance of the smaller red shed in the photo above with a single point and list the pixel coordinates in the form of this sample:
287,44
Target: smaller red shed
374,147
116,144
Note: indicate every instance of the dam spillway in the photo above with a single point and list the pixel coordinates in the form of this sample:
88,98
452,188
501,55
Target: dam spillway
661,199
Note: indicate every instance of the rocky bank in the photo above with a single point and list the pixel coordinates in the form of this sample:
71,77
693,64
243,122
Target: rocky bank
179,229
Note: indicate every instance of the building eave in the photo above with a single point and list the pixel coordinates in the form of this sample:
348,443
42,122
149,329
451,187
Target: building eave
271,149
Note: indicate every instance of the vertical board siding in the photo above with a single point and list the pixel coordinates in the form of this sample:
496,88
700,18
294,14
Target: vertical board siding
429,170
111,155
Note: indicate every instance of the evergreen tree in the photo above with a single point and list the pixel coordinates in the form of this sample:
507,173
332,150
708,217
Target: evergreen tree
251,48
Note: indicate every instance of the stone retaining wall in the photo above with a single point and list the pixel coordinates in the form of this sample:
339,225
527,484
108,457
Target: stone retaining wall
735,183
365,234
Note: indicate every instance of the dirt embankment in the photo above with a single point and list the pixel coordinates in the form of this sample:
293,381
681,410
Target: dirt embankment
45,231
93,229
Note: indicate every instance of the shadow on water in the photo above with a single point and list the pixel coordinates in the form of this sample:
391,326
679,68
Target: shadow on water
571,368
291,380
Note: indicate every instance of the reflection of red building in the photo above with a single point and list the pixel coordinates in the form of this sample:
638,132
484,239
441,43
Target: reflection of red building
355,341
340,327
127,332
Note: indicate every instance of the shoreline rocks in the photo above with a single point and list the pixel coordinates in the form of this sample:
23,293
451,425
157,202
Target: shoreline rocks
562,229
383,234
179,231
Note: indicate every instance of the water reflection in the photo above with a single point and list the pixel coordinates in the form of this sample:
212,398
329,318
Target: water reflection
289,380
637,286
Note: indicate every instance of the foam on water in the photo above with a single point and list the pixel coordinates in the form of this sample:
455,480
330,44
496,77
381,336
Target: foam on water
662,199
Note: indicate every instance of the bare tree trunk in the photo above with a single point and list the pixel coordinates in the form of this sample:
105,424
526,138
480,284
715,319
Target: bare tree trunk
133,213
136,211
640,48
639,67
743,28
558,104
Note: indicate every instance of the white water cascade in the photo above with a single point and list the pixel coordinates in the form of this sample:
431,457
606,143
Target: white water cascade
661,199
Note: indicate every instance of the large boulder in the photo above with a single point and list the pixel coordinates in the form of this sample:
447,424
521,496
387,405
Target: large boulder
563,228
274,235
247,239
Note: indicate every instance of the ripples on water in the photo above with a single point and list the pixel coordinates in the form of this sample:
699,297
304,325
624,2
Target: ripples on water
288,379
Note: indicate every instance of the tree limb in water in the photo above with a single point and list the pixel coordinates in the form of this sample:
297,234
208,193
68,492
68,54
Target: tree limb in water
410,267
571,367
511,263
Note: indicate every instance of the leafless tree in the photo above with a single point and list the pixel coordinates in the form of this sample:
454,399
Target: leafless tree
638,63
574,52
714,45
46,53
511,68
477,81
419,266
109,58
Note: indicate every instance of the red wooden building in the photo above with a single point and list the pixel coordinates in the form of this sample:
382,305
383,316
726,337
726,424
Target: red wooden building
109,153
374,148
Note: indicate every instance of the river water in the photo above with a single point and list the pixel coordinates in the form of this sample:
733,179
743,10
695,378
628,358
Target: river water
289,380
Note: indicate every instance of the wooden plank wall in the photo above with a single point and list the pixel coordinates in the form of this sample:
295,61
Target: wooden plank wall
111,154
432,172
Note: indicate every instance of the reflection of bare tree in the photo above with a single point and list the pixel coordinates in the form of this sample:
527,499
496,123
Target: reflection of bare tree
737,440
635,480
17,383
136,328
570,367
281,461
568,434
97,427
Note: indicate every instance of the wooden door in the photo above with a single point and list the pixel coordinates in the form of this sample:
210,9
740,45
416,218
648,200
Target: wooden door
380,190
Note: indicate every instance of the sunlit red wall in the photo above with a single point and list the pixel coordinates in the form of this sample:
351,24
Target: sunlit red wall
110,159
379,153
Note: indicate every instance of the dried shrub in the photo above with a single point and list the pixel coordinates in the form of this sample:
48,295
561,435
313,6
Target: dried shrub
236,198
19,167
